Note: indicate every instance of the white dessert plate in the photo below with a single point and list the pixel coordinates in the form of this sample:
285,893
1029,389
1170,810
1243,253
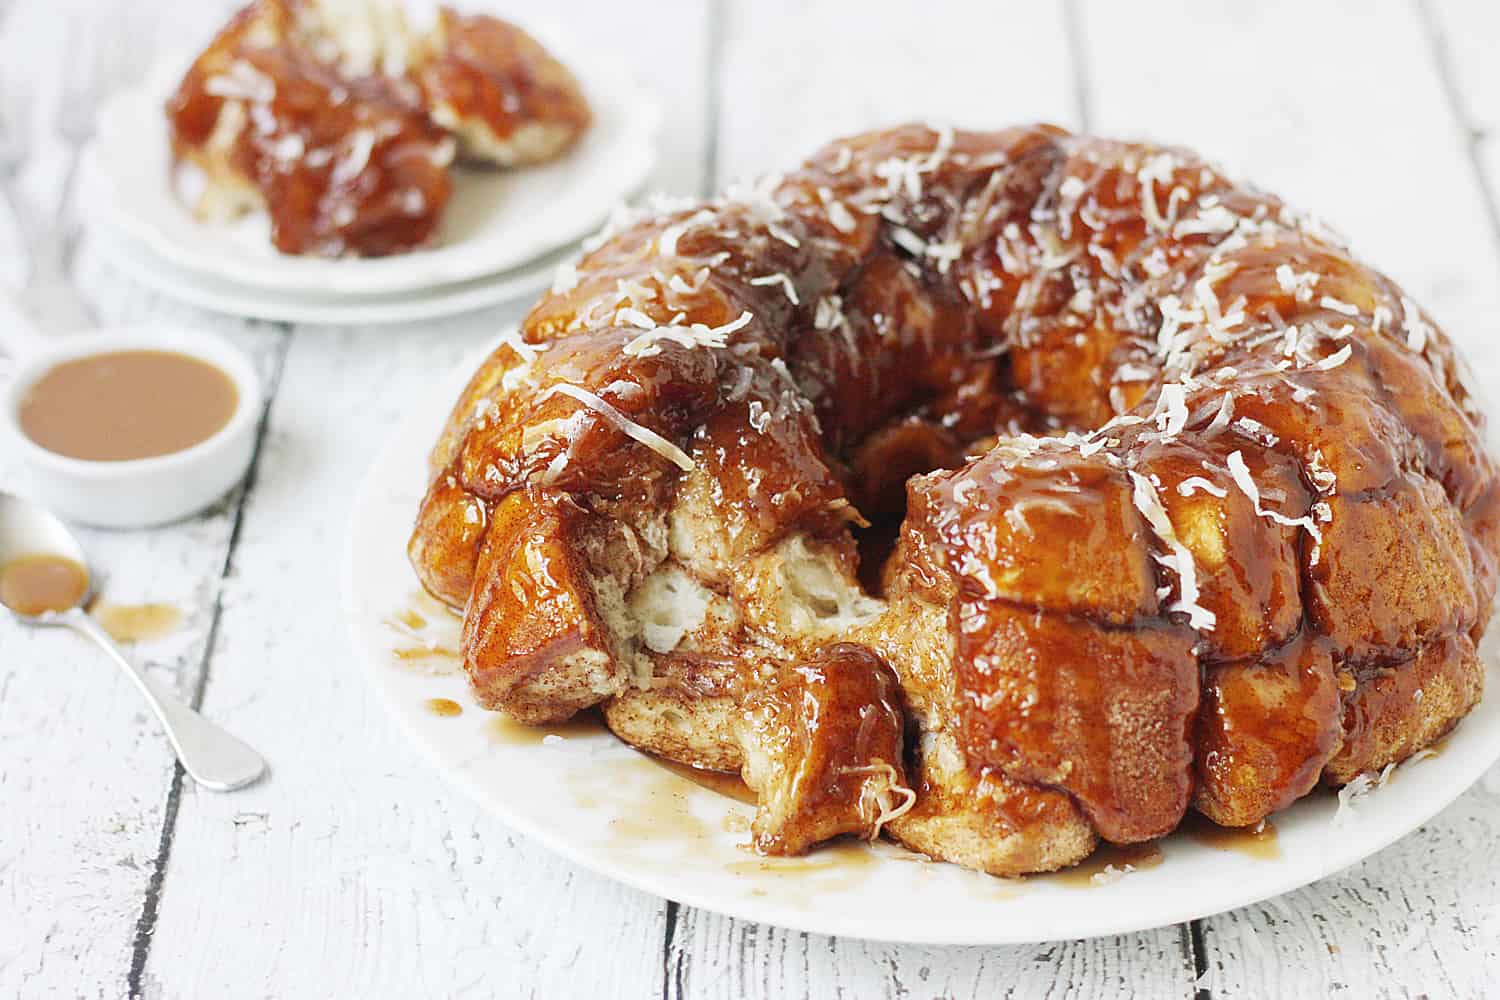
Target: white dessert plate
590,798
495,221
141,264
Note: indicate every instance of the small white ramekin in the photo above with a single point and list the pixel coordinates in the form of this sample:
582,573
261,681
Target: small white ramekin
141,492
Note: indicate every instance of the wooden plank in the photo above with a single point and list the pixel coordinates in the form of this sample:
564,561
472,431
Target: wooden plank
1341,110
84,770
843,67
1420,918
796,75
1463,37
713,957
353,870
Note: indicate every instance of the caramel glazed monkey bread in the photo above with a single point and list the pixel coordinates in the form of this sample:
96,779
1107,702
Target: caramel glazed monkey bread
1001,491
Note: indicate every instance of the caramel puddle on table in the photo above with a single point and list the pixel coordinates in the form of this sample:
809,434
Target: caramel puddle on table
1106,864
445,707
1260,841
137,622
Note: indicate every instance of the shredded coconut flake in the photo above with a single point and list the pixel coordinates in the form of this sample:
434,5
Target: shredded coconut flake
1417,329
1209,221
666,243
1197,484
875,794
1240,473
1111,873
1179,559
1171,409
644,435
696,335
841,218
909,241
1221,419
1335,359
829,312
779,279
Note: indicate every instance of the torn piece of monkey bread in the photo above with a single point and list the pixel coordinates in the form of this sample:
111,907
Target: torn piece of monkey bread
340,120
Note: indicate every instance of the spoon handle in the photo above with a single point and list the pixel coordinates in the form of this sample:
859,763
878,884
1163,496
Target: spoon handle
214,758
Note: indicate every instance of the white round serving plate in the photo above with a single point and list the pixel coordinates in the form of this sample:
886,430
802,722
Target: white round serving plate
607,808
495,221
141,264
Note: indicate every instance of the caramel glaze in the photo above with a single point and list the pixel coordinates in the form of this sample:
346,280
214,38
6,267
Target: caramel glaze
350,158
1260,841
1230,527
444,707
829,735
1108,862
344,164
490,70
138,622
731,786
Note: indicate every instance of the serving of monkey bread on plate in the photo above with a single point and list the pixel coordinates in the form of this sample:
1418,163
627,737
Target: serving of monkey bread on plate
999,492
340,119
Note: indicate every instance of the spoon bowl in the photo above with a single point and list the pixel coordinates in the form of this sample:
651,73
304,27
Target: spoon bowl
212,757
29,530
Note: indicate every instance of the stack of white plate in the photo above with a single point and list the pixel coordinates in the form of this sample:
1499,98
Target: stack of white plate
502,236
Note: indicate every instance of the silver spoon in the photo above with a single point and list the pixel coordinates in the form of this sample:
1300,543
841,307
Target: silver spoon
213,757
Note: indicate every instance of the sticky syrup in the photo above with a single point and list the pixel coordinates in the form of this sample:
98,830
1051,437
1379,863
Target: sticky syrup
34,585
128,405
138,622
1108,859
1260,841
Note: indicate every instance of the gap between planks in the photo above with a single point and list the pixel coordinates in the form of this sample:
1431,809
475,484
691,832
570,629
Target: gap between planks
1437,43
145,927
713,97
1073,28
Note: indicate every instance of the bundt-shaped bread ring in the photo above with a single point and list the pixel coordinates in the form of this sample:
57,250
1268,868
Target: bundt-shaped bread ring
1163,499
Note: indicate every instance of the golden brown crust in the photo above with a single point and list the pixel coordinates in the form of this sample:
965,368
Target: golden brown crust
1206,442
339,119
689,713
1267,729
488,81
534,641
987,821
824,750
1396,710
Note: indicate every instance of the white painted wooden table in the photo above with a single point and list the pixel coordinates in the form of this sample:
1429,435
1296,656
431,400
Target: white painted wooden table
352,871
